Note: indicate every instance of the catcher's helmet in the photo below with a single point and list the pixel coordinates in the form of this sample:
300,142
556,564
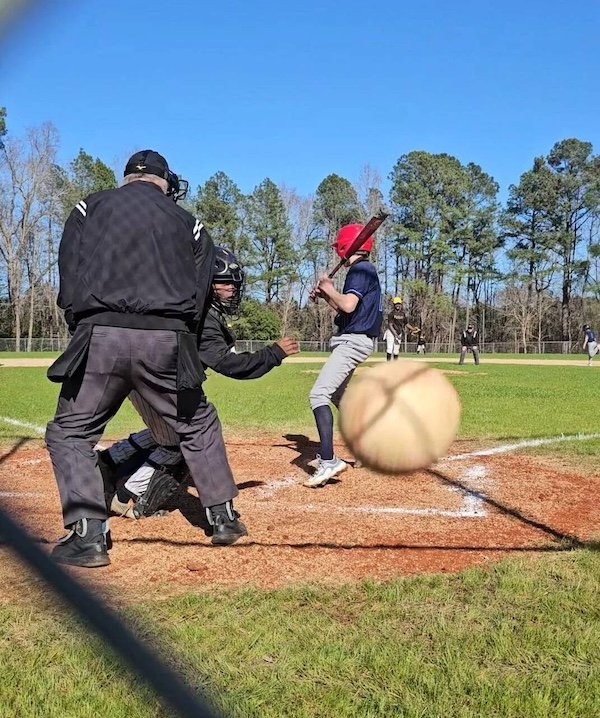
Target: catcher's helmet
227,270
346,236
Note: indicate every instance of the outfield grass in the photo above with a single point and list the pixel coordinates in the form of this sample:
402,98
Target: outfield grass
518,640
500,402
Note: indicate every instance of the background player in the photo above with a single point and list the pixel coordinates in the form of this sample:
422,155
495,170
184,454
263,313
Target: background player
590,343
395,326
359,309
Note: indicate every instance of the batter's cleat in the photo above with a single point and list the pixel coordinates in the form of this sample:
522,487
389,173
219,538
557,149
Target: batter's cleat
326,469
86,545
120,508
226,524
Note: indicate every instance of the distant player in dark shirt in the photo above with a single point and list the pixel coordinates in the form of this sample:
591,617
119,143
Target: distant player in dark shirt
395,327
359,315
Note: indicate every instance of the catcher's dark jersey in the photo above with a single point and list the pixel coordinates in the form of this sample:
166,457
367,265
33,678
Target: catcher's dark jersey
216,344
131,257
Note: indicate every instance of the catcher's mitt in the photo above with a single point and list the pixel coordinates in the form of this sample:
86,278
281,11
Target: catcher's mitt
161,488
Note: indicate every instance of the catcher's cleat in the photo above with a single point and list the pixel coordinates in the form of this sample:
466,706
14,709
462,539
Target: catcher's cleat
226,524
86,545
120,508
326,470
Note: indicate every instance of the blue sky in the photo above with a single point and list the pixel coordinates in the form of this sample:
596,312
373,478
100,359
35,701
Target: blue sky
296,91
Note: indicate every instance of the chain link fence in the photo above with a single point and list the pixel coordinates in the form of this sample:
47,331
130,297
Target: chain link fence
58,344
439,347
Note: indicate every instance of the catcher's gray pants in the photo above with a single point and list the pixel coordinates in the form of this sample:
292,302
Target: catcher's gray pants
118,361
347,352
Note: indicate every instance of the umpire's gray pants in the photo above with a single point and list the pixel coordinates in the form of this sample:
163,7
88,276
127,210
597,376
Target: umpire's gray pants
347,352
120,360
463,353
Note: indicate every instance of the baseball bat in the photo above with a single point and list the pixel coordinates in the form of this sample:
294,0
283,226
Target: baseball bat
370,228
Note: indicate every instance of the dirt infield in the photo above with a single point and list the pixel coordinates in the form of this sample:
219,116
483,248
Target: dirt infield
467,511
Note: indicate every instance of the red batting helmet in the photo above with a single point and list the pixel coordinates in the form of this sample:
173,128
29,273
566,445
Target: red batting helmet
346,236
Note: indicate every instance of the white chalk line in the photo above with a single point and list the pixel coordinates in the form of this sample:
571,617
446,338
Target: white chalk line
530,443
21,494
23,424
473,506
41,430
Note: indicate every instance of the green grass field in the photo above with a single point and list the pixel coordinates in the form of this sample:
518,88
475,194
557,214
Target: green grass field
500,402
520,639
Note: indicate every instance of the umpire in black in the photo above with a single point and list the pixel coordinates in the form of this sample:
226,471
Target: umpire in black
469,342
135,272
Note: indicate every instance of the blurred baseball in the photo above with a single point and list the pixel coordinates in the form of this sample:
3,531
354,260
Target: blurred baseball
399,416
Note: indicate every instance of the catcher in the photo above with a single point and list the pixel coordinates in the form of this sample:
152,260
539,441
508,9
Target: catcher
153,454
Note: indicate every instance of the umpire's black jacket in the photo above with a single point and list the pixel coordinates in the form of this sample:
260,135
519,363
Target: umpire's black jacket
131,257
215,348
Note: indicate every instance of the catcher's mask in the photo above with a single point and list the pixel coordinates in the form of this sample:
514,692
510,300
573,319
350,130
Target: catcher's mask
178,188
228,270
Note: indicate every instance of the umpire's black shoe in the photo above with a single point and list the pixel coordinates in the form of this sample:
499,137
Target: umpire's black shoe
227,527
85,545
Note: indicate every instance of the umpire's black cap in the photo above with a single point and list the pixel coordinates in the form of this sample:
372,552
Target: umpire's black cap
148,162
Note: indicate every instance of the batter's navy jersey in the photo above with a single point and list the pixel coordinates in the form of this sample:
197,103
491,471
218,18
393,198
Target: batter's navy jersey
591,337
362,280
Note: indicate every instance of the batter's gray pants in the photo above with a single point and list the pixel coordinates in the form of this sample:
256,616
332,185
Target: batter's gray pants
120,360
347,352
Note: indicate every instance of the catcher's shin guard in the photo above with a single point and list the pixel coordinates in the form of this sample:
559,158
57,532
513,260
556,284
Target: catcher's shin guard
161,488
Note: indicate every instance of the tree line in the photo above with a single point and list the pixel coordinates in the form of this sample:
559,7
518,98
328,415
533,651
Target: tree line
526,271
